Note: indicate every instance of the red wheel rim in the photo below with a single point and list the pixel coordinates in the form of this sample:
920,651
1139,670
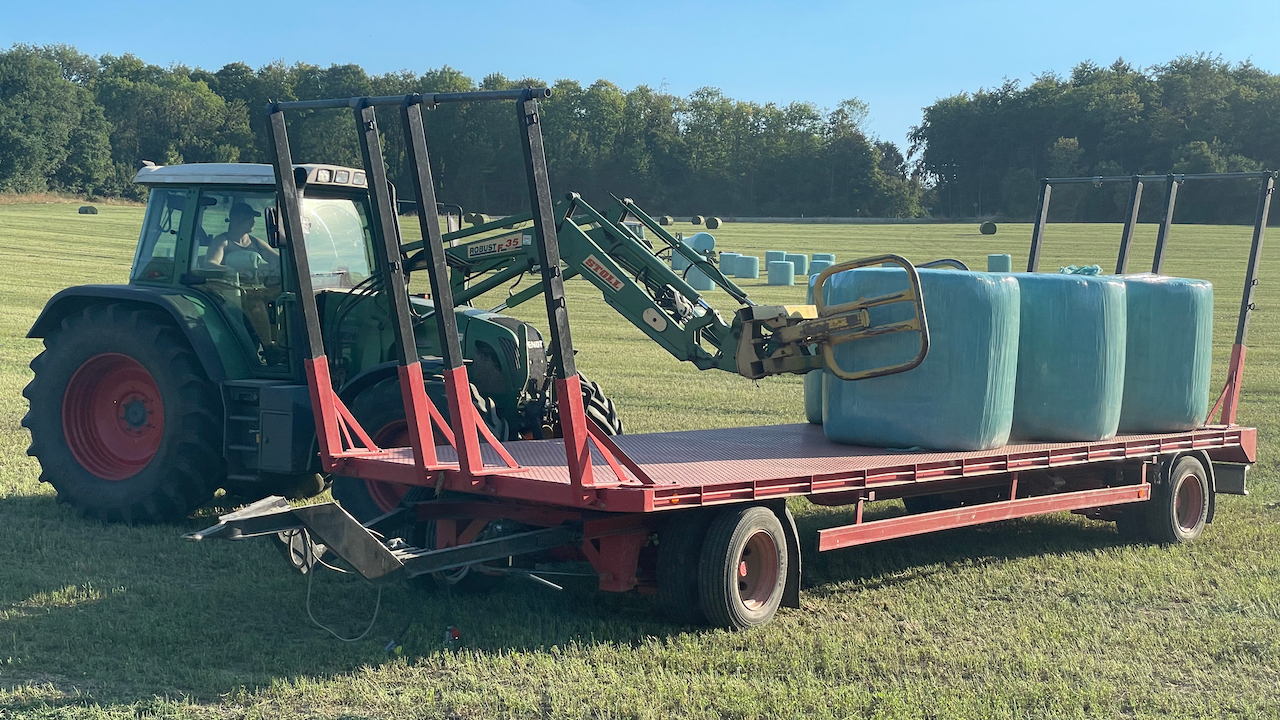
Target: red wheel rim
757,570
1189,503
387,495
112,416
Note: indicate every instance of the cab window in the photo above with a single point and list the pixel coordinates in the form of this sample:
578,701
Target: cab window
159,239
232,263
338,241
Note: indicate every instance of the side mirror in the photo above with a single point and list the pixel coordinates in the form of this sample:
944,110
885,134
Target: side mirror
275,227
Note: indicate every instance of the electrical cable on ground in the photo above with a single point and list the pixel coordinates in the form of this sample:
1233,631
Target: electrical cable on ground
311,576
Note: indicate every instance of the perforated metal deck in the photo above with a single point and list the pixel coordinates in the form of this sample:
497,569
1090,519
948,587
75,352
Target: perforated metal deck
697,467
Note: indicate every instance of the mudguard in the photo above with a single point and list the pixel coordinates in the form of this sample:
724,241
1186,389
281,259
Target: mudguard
206,331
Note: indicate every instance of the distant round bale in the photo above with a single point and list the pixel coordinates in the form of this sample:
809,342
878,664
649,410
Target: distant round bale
987,228
479,218
88,210
666,220
747,266
782,273
696,219
713,223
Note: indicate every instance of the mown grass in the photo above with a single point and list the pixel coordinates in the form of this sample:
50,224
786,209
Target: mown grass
1045,617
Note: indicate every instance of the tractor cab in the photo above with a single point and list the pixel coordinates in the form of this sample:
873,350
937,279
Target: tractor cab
210,228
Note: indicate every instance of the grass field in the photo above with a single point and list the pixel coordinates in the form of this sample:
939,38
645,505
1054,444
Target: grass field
1048,617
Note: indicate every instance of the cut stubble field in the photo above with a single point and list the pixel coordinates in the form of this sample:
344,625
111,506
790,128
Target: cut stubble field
1050,617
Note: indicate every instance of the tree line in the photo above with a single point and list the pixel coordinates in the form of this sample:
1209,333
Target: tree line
74,123
985,150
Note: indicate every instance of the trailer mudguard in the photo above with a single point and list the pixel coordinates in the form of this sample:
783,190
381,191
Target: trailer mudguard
205,329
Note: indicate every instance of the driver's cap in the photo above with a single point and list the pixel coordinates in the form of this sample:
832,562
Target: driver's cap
242,209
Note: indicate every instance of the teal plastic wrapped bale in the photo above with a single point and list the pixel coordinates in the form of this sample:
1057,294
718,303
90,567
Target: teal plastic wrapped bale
1000,262
829,257
800,261
702,242
748,266
774,256
813,396
818,266
782,273
698,280
961,397
1169,354
679,262
729,262
1071,357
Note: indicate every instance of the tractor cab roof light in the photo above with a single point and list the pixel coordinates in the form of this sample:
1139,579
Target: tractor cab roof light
324,175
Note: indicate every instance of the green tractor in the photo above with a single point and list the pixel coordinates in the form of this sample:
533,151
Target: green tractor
150,396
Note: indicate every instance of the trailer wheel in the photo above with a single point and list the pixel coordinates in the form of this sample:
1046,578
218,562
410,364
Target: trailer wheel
679,548
1180,507
380,411
742,571
124,421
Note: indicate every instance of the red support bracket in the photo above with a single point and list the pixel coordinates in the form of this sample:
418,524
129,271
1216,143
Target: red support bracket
1229,400
615,558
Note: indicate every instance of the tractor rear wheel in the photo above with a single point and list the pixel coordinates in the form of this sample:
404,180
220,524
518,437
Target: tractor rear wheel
380,411
125,423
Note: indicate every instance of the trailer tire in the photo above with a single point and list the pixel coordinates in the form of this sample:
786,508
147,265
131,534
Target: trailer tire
742,571
125,422
1179,506
679,549
380,411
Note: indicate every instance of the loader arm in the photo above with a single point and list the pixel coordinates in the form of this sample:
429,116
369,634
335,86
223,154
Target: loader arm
635,280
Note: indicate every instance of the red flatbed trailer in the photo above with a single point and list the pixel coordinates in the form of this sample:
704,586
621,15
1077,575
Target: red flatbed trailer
728,550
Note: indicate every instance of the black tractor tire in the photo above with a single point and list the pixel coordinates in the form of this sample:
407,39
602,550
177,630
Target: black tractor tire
124,421
679,549
595,404
742,569
380,411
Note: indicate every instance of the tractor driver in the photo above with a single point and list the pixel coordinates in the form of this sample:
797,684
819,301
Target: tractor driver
237,238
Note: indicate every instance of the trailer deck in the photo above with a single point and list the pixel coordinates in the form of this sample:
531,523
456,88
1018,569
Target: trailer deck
705,467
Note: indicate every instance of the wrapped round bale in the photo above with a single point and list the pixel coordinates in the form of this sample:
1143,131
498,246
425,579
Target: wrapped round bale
782,273
713,223
987,228
1071,357
1169,353
87,210
698,280
696,219
829,257
702,241
774,256
800,261
748,266
729,262
679,262
818,266
666,220
999,262
961,397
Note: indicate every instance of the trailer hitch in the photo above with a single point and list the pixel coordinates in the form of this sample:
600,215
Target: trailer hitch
785,338
336,531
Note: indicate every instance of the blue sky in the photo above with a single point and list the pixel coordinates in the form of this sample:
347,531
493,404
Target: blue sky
898,57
